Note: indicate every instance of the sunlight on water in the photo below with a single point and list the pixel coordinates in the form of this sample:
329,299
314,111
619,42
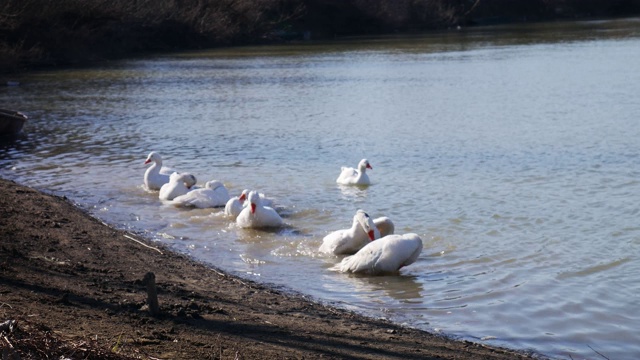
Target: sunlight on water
511,151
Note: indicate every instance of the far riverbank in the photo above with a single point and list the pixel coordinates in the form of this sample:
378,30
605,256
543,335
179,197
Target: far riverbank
66,33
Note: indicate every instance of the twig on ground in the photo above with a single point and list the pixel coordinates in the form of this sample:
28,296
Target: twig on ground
219,345
219,273
223,275
5,304
143,244
10,350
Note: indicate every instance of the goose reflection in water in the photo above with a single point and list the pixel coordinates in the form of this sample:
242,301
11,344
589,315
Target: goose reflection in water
404,288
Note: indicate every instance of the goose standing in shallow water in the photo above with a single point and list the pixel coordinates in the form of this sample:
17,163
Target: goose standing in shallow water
383,256
156,175
351,176
256,215
179,184
214,194
349,241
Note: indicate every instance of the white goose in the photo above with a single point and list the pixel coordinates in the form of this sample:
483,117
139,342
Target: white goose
179,184
235,204
156,175
384,225
257,215
351,176
384,256
214,194
349,241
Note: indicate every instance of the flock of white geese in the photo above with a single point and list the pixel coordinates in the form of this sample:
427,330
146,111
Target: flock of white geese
371,245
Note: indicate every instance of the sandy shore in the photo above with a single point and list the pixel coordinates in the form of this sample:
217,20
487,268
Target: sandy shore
75,288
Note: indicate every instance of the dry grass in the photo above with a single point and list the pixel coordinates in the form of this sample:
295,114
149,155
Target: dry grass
30,341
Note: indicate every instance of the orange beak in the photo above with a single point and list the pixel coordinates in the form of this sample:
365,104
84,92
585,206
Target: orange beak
372,235
242,197
147,161
369,167
253,208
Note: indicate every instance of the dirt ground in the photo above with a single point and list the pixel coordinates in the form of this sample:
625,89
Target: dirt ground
75,289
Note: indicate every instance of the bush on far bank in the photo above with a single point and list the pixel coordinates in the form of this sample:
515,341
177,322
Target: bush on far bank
66,32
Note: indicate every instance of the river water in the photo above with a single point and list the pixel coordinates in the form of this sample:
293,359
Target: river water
511,151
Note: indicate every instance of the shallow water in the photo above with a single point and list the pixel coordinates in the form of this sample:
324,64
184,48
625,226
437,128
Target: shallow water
512,152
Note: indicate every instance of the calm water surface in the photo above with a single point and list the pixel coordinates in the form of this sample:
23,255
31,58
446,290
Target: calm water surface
512,152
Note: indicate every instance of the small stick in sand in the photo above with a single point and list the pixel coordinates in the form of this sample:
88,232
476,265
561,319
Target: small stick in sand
152,294
141,243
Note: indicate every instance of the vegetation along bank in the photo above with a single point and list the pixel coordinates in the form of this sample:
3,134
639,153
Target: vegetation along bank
42,33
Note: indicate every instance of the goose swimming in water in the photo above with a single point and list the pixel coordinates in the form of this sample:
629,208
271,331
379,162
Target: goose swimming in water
179,184
256,215
349,241
383,256
156,175
214,194
351,176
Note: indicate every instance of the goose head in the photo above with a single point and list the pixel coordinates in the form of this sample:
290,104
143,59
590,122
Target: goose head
254,201
213,184
365,221
243,196
363,165
153,157
189,180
